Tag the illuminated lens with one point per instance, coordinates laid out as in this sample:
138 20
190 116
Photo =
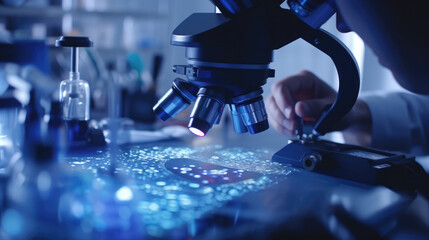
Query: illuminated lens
197 132
205 112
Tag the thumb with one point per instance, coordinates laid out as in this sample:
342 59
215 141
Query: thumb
311 109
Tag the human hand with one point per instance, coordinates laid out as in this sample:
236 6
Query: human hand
302 95
305 95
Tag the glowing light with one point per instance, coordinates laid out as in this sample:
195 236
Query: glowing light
12 222
161 183
124 194
197 132
234 192
77 209
194 185
44 181
154 207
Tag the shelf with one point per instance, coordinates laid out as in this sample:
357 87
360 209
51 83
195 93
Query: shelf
57 12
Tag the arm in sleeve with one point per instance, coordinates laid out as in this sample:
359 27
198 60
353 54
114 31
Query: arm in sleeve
400 122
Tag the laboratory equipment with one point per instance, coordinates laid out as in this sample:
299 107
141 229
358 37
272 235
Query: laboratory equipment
74 94
229 56
350 162
228 61
177 99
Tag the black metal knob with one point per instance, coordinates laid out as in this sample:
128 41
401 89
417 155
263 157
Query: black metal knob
72 41
311 161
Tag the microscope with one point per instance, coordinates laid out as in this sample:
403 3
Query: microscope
228 57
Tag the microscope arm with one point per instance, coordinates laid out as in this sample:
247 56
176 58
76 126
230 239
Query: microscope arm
345 64
348 75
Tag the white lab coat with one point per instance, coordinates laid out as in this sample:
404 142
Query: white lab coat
400 122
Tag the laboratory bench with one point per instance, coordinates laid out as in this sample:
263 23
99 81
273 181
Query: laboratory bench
222 186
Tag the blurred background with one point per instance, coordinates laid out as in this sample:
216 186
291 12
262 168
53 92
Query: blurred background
131 48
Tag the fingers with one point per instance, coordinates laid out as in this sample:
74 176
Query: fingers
283 99
301 86
311 109
302 95
278 120
306 85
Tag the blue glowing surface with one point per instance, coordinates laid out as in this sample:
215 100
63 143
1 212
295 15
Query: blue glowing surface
138 196
208 174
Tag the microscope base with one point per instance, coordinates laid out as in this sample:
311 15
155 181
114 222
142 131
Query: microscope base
364 165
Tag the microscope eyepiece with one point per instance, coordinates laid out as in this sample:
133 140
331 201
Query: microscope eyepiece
207 109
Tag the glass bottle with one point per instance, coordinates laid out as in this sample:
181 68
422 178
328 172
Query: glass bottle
75 101
75 94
